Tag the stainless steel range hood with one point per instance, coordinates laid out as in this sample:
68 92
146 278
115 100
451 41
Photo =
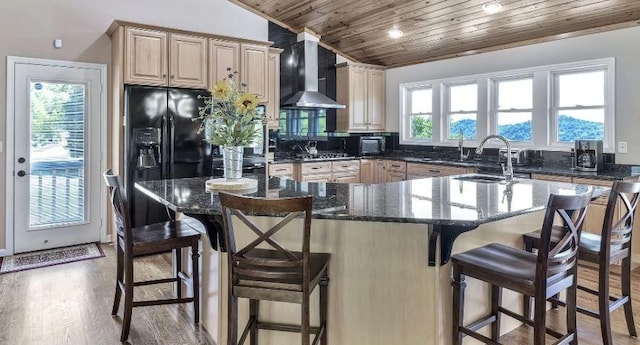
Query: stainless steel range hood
307 75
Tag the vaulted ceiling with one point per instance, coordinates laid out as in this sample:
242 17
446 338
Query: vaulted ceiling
438 29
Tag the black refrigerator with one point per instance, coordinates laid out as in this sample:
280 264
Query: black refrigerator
161 142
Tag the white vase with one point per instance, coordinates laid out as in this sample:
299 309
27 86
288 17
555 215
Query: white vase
232 162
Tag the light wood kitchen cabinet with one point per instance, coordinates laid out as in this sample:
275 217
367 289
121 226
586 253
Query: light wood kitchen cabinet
396 171
282 170
254 69
337 171
362 89
146 57
188 61
223 55
379 171
421 170
366 171
273 89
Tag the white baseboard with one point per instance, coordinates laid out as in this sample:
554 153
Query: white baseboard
4 252
107 239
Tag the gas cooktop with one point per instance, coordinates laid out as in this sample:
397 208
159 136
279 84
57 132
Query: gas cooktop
323 156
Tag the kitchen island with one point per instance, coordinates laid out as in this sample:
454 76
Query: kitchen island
390 244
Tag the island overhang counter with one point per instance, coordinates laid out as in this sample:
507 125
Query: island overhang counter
390 245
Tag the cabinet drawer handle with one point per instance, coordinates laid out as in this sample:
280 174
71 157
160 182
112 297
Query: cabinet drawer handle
395 166
281 169
434 171
315 168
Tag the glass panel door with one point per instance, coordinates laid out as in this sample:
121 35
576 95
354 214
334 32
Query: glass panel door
57 136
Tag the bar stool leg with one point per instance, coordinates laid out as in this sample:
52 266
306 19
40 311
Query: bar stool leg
539 318
119 277
305 326
571 308
496 301
603 304
254 308
195 281
128 298
324 306
626 291
459 286
177 253
232 319
528 246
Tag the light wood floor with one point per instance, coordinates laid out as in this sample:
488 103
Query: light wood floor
71 304
588 327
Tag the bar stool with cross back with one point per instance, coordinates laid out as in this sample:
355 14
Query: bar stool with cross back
612 246
276 274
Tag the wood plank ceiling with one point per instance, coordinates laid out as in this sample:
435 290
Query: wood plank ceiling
438 29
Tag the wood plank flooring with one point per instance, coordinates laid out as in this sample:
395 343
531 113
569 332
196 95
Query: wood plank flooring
71 304
588 327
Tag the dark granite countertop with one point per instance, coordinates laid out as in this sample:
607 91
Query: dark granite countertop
440 201
611 172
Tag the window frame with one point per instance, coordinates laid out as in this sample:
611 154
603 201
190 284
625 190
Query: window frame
542 115
608 141
406 94
447 112
494 104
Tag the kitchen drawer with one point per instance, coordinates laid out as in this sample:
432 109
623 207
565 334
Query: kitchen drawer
315 168
353 165
431 170
396 166
316 178
347 177
281 169
553 178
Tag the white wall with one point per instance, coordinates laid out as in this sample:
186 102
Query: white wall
621 44
28 28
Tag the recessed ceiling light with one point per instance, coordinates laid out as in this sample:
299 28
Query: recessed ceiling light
492 7
395 33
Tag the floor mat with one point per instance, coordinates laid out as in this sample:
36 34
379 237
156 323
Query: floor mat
50 257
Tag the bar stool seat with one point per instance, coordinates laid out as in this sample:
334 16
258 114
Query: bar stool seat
503 264
247 286
147 239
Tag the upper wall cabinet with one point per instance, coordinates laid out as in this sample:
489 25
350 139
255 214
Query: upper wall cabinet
223 54
145 57
362 89
273 89
160 58
254 71
188 61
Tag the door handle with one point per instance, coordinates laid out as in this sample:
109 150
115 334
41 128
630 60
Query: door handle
22 173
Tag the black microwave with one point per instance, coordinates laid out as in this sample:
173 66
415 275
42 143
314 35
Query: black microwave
371 146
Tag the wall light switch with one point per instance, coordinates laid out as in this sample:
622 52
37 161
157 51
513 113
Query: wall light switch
622 147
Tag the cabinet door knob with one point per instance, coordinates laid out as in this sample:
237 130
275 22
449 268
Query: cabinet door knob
164 76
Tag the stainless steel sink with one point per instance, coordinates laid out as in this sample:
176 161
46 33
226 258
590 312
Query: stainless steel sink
481 178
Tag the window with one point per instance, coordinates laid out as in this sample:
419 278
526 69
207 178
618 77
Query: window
546 107
462 111
579 109
420 114
513 108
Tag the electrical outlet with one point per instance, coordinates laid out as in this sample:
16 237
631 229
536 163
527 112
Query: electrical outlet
622 147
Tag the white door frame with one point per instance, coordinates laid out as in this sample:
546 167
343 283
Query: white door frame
12 61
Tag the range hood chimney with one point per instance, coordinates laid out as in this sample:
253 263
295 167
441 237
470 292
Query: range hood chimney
307 77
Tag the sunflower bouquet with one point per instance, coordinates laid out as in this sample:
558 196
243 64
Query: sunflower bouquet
229 116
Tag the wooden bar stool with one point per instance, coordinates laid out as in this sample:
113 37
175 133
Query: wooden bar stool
613 245
276 274
543 275
150 239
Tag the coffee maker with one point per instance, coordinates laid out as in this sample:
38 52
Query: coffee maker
588 155
147 145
